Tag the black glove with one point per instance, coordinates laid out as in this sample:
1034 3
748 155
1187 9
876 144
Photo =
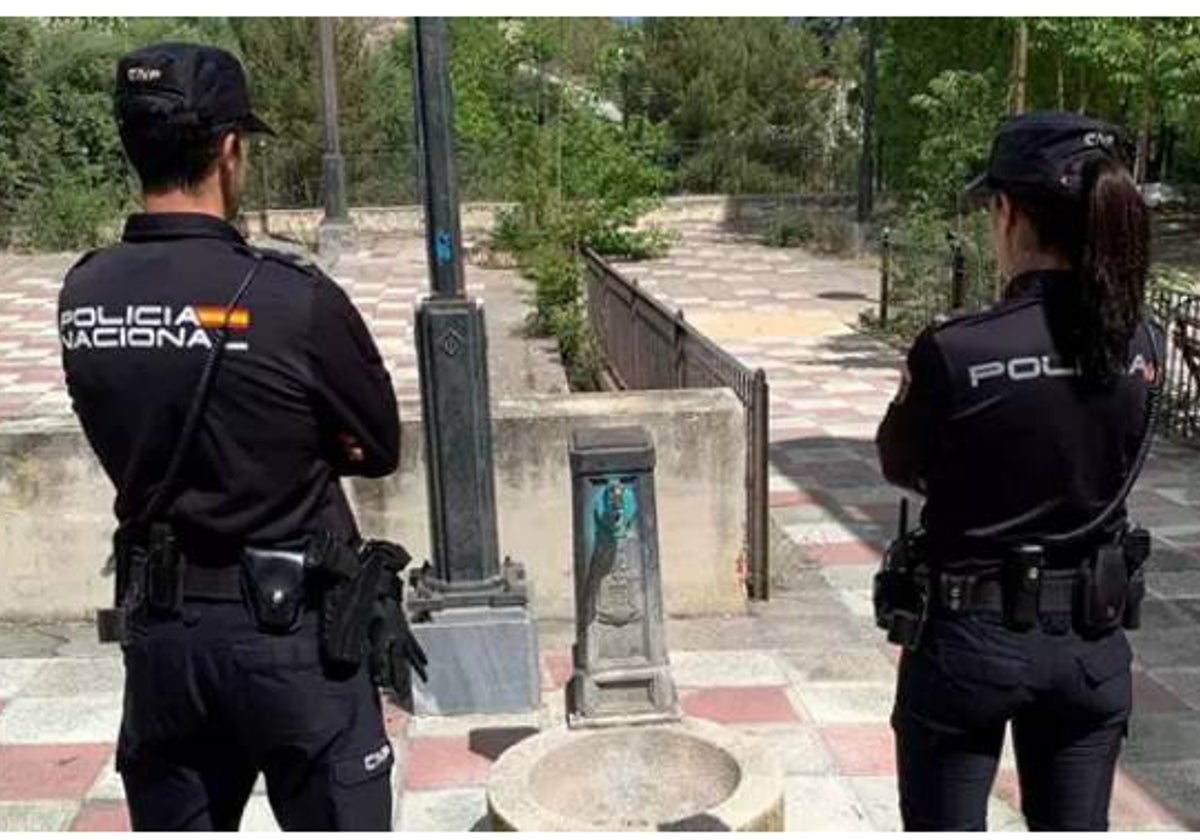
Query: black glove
394 652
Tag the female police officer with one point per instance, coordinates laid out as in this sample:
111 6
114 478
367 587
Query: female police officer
1021 425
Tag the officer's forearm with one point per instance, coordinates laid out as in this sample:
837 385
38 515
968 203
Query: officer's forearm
899 455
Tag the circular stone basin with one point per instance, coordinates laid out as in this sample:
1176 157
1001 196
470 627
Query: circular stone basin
689 775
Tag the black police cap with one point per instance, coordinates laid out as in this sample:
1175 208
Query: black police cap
184 84
1048 150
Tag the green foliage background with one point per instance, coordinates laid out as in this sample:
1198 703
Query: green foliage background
710 105
586 123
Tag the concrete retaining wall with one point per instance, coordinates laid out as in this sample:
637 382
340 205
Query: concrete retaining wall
56 502
480 217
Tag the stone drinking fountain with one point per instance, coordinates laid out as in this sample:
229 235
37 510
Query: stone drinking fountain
627 759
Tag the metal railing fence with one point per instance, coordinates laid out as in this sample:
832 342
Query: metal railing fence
646 347
942 280
1179 314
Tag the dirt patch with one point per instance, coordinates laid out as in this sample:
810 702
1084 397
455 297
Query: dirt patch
741 326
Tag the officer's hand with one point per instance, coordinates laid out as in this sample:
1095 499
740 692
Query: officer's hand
351 448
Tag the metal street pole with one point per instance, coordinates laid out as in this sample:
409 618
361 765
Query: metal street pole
435 130
335 225
475 608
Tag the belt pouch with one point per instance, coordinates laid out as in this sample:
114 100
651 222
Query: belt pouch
275 580
164 573
1102 587
1021 578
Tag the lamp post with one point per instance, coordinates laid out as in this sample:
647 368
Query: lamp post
335 229
477 621
865 164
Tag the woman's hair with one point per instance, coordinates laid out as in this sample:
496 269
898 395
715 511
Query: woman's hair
1107 240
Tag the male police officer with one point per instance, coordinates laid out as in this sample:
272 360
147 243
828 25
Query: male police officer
301 397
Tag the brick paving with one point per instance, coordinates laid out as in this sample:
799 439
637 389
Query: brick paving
806 674
385 281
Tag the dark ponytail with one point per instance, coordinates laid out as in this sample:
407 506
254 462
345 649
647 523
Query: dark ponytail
1107 240
1113 266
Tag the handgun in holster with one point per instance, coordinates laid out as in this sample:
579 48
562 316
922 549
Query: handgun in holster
1135 547
1112 584
901 592
349 591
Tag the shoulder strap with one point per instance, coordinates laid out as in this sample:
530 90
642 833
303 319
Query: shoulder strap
169 488
1153 395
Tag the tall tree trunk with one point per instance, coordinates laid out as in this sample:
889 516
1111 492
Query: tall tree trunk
1083 90
1143 152
1167 144
865 197
1020 64
1062 99
879 185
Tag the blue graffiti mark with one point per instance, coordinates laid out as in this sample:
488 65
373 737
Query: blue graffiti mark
443 248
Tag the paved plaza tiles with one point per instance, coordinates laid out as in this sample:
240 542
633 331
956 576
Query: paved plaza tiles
805 674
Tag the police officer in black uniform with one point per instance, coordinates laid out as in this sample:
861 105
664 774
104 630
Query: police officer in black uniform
225 673
1021 426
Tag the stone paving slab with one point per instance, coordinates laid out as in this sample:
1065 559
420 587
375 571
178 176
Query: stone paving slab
807 673
385 281
726 668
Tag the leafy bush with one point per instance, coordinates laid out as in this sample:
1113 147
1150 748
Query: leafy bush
822 231
1168 278
629 244
68 216
569 325
920 262
833 234
790 230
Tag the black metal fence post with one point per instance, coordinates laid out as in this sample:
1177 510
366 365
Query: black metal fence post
885 266
757 501
958 273
679 356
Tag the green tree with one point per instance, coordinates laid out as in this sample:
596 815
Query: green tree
750 103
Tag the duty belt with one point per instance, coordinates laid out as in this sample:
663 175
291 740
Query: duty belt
984 592
212 583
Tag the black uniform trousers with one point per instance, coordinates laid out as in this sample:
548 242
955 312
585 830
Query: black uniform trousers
211 701
1068 700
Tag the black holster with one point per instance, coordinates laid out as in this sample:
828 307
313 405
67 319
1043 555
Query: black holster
1112 584
1101 591
347 604
1136 546
901 591
148 572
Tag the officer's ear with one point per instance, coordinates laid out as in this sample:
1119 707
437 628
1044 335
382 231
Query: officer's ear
1006 212
232 148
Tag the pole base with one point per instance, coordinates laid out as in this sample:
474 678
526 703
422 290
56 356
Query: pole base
334 238
430 594
481 661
